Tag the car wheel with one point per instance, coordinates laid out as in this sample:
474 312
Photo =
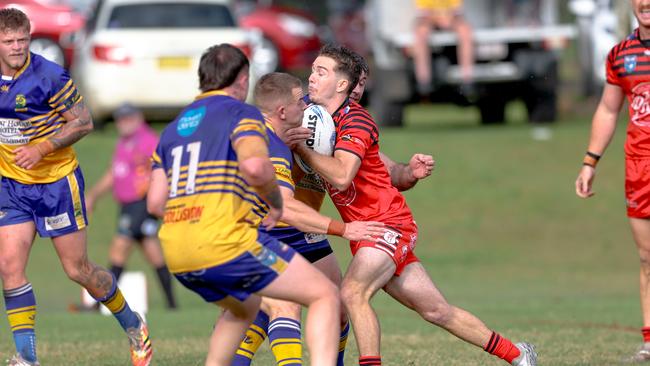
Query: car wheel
48 49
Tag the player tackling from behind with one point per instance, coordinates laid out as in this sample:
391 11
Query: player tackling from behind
42 115
628 77
359 185
213 182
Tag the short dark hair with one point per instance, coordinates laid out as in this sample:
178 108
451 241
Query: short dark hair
220 65
12 19
345 62
363 64
273 88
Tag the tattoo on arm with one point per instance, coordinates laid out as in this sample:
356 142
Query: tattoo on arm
274 198
74 129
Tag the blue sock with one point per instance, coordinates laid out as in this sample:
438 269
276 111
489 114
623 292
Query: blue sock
343 340
286 343
21 313
116 303
255 336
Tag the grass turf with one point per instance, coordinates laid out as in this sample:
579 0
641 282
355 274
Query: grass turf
501 232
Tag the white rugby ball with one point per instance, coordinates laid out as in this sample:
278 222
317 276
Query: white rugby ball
323 135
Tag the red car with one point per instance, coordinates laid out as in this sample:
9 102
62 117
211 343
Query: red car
54 27
289 36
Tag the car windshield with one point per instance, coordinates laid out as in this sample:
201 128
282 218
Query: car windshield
170 15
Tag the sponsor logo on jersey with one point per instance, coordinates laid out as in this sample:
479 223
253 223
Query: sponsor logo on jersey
11 131
4 89
190 121
640 105
57 222
630 63
21 103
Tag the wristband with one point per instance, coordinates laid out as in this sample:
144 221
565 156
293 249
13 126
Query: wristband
591 159
336 228
45 147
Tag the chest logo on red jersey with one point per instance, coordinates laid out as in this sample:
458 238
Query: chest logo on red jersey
630 63
640 106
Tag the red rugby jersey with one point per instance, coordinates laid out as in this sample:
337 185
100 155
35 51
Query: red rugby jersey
628 66
371 196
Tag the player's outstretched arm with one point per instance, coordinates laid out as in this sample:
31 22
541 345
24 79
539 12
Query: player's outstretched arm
338 170
78 124
406 176
603 126
308 220
157 194
259 173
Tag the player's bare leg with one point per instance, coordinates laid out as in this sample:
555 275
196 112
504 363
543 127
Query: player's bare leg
330 267
101 284
73 255
414 289
368 272
641 233
20 303
304 284
230 329
15 244
120 250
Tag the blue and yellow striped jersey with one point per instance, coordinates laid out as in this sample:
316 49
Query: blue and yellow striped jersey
31 104
208 212
282 160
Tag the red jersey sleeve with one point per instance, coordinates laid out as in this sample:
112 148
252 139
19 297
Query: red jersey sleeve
357 133
612 75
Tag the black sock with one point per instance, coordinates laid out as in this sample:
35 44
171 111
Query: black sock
117 271
166 283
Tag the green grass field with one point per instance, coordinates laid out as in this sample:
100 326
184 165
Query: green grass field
502 234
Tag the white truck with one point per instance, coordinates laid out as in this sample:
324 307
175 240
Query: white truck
517 47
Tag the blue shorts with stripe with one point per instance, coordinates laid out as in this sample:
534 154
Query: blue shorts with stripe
242 276
313 247
56 208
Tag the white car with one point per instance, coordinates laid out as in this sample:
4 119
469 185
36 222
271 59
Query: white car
147 53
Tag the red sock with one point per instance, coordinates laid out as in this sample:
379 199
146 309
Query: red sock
370 361
502 348
646 334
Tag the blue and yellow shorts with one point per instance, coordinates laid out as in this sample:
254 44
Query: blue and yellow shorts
56 208
313 247
242 276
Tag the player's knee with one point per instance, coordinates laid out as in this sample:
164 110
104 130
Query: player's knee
352 295
644 257
10 269
438 314
78 271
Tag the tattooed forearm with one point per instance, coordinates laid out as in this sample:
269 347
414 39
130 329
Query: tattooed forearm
80 123
274 198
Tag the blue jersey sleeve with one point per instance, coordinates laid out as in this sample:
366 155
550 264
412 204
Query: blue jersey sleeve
248 121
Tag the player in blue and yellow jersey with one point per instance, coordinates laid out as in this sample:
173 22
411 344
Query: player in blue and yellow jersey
280 98
41 116
212 174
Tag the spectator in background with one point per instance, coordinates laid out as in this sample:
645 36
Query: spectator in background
128 178
441 14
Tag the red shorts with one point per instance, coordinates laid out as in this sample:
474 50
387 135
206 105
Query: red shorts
398 242
637 187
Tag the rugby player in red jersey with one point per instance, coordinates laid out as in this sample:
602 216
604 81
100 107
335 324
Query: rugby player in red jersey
359 185
628 75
